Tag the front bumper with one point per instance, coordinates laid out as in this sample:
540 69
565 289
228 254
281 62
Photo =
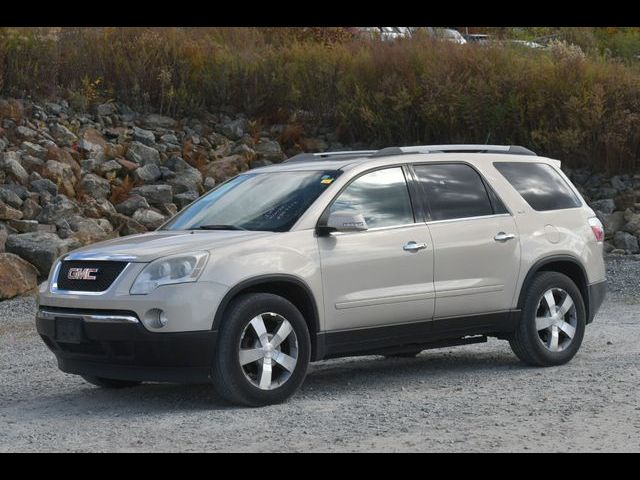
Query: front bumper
115 345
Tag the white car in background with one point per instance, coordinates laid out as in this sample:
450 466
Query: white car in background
450 35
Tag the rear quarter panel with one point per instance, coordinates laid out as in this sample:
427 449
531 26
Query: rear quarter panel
545 234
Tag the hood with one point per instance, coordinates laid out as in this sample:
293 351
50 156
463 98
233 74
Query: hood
149 246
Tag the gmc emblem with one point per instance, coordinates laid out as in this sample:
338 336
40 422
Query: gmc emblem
82 273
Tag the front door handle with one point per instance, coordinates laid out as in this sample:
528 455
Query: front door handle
503 237
413 246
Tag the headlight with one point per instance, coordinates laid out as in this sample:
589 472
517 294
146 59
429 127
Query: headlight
168 270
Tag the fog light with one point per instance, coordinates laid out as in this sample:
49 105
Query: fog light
155 318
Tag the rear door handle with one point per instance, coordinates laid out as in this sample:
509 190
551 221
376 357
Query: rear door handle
413 246
503 237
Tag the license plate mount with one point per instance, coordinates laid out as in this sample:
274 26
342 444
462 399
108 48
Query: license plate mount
69 330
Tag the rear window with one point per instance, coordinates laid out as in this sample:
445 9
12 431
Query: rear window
539 184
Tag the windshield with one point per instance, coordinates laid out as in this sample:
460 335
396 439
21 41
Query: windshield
255 201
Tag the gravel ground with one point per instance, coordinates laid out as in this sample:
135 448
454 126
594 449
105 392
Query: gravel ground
471 398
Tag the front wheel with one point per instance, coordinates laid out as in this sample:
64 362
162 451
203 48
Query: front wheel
263 350
553 321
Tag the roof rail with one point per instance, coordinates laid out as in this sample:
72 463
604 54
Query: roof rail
303 157
461 148
479 148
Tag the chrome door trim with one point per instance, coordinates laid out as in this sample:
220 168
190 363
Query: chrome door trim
379 229
465 219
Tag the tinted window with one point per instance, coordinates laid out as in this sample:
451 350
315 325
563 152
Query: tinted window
539 184
381 196
255 201
453 191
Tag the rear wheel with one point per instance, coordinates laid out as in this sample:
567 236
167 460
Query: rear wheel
110 382
553 321
263 350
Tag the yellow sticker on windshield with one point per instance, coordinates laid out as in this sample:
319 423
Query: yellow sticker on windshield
326 179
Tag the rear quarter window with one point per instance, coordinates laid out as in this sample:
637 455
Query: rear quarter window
539 184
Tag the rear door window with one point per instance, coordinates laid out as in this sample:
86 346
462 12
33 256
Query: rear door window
539 184
454 191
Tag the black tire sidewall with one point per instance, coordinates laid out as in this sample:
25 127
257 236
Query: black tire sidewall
237 387
543 282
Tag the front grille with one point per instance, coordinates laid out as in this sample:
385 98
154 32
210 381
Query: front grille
107 272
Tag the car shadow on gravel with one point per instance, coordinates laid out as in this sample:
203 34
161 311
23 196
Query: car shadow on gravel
335 377
380 372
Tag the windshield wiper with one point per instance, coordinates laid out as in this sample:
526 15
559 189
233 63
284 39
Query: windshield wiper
220 227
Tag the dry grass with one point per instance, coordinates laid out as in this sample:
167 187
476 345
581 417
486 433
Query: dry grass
585 110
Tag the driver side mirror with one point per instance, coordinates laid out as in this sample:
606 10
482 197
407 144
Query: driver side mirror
345 221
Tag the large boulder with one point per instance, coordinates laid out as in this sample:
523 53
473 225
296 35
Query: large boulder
149 218
269 150
227 167
13 168
62 175
156 195
131 204
613 222
33 149
142 154
44 185
62 134
97 208
626 241
60 207
127 226
184 199
105 109
17 276
40 248
8 196
87 230
91 142
143 136
95 186
147 173
188 180
30 209
632 224
234 129
606 205
627 199
154 121
9 213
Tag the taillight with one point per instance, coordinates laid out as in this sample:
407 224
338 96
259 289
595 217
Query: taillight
597 228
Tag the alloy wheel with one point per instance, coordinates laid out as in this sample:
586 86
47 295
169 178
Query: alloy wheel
268 350
556 319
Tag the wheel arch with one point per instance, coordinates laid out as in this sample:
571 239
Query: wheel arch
565 264
290 287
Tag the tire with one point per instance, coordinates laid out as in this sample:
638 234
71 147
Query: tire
249 326
110 382
548 336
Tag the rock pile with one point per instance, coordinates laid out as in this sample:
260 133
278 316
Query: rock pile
68 179
616 201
